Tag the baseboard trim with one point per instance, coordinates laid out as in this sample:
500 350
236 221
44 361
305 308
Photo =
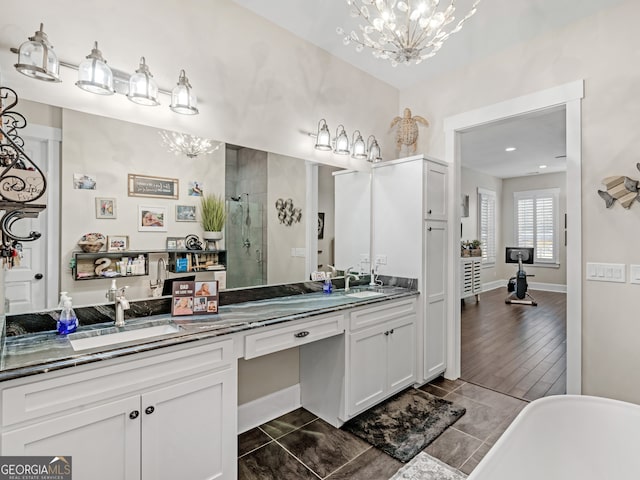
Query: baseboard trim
545 287
263 409
486 287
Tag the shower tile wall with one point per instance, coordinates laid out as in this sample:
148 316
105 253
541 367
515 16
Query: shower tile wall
246 172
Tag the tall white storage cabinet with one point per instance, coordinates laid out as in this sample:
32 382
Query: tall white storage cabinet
352 219
410 240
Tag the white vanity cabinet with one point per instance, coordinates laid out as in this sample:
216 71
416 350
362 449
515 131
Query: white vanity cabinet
344 375
381 357
410 239
166 414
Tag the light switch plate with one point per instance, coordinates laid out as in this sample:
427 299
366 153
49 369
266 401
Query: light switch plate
607 272
634 274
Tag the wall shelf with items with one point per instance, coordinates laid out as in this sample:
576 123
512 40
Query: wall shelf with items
101 265
182 261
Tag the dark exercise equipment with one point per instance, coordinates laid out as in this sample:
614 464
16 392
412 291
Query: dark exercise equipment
517 285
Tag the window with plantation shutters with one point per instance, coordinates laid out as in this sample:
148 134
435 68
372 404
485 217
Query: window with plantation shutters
537 223
487 225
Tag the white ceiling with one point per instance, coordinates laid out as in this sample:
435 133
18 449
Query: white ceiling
539 139
497 25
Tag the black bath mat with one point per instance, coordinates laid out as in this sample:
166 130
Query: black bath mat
406 423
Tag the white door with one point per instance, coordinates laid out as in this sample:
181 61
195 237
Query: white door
103 442
25 284
401 343
367 369
187 431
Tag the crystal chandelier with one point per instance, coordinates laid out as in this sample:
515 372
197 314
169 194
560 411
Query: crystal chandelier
408 31
189 145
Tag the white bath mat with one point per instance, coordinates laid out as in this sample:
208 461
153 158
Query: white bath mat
426 467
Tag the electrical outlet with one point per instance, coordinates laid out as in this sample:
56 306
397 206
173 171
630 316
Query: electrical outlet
381 259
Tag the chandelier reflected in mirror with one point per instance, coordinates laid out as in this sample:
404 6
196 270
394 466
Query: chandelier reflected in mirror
406 32
189 145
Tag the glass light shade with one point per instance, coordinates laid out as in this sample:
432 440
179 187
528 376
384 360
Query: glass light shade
374 154
36 58
342 142
358 147
323 138
94 75
143 89
182 98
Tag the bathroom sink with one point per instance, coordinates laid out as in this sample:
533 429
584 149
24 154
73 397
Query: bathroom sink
363 294
114 335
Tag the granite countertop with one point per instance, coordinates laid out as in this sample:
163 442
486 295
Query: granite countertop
40 352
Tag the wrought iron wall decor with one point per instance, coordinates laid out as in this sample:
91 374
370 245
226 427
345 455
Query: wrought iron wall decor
287 214
21 181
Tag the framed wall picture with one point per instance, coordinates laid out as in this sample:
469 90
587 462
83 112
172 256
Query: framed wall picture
106 207
157 187
185 213
176 243
152 219
117 243
84 181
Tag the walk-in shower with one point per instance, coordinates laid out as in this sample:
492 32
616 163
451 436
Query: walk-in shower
245 238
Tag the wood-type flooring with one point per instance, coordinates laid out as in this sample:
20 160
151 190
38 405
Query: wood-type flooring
518 350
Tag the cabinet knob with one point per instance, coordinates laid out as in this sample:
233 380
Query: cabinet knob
149 410
38 276
301 334
387 333
429 229
391 332
133 415
429 211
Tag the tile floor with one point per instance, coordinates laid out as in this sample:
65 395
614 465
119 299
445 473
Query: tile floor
299 445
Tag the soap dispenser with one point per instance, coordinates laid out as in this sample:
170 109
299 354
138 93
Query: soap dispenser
327 287
68 322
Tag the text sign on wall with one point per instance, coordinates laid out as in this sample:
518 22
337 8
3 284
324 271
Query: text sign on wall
146 186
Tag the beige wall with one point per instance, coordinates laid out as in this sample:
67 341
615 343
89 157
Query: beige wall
286 178
602 50
471 180
550 275
40 114
109 150
262 376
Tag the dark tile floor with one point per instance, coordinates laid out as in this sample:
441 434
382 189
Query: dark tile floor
299 445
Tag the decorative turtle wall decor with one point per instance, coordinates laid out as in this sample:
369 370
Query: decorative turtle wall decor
621 188
407 131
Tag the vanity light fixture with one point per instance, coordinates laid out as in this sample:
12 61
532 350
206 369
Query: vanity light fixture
374 154
94 75
143 89
361 150
342 142
182 98
36 58
358 147
323 138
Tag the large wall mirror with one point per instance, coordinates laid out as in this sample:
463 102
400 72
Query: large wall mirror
262 248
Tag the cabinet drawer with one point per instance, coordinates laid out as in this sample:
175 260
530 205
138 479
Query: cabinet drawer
382 312
46 395
293 335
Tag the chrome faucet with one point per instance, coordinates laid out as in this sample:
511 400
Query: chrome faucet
348 276
161 276
122 304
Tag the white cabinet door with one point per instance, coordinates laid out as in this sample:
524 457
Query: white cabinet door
104 442
436 191
401 357
367 369
188 429
436 287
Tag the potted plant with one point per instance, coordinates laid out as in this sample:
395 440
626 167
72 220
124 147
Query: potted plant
213 214
474 246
